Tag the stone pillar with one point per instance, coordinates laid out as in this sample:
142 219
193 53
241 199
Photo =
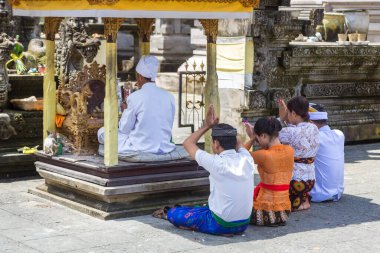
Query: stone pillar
111 27
145 30
211 89
51 28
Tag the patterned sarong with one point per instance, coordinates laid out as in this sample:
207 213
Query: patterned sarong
308 160
299 192
201 219
269 218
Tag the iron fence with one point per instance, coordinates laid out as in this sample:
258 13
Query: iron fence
191 97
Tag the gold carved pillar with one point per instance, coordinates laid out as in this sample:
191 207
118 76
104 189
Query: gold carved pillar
111 110
145 26
211 89
51 28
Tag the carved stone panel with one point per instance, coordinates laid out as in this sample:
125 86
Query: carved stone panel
83 101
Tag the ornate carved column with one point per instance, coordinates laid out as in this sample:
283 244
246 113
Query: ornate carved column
6 45
111 110
51 28
145 30
211 89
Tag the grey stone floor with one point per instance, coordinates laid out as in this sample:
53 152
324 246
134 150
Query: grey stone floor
31 224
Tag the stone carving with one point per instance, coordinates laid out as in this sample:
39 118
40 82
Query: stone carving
257 100
342 89
279 93
83 101
75 47
6 129
37 48
6 45
272 30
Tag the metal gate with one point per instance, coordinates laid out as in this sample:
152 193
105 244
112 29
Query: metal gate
191 97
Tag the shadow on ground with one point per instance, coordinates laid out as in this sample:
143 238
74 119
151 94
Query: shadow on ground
354 154
350 210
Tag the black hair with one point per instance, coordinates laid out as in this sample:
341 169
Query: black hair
267 125
300 106
226 142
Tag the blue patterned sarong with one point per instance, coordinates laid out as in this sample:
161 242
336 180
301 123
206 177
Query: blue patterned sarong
201 219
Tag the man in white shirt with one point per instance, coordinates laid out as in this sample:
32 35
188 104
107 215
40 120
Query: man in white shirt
329 161
146 123
231 183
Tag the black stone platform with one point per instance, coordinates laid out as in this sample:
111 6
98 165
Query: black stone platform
14 165
128 189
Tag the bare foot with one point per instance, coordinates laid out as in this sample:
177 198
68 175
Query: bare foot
160 214
304 206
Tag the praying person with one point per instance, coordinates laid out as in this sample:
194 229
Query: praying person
231 183
146 123
329 161
275 163
303 137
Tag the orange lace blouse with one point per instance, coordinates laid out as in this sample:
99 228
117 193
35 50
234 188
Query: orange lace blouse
275 166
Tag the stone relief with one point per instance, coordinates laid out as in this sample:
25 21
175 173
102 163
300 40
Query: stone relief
6 129
342 89
82 102
6 45
75 47
257 100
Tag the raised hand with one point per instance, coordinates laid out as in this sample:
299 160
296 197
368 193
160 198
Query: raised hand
249 130
282 109
211 119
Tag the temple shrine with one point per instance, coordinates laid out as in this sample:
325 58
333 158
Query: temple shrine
253 55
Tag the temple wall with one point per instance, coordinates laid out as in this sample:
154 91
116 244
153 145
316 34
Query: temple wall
343 78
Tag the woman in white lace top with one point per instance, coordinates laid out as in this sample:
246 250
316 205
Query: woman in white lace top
303 137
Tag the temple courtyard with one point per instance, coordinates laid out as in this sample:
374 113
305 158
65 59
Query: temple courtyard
31 224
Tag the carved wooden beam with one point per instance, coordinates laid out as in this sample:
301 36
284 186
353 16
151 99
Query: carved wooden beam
102 2
211 29
245 3
145 26
51 27
111 27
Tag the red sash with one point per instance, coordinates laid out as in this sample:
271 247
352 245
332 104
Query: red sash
271 187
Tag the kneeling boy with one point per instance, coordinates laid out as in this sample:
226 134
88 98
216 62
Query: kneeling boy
231 183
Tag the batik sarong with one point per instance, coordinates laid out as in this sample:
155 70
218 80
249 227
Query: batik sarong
202 219
269 218
299 192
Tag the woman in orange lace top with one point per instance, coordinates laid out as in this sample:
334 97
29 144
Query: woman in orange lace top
275 163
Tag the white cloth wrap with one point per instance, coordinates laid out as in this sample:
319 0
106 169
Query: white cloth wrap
318 115
148 67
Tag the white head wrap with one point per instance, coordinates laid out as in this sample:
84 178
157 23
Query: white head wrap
318 115
148 67
315 114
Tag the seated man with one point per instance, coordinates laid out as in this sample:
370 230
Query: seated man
146 124
231 184
329 161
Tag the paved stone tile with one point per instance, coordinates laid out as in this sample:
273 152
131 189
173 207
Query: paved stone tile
9 221
29 223
8 245
57 244
29 232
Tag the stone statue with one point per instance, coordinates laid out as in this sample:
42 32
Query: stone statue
6 129
75 47
6 45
